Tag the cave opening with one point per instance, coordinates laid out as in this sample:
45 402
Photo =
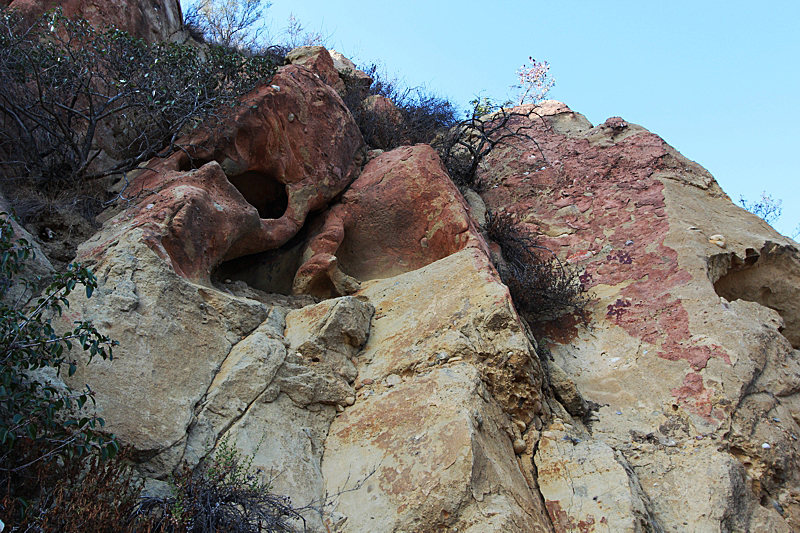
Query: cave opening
770 277
262 191
272 271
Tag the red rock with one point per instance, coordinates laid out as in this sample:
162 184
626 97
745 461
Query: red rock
318 60
152 21
289 150
685 336
192 220
401 214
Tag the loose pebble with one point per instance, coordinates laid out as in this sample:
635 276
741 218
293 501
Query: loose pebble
519 446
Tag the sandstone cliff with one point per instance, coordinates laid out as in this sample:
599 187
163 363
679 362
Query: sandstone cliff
341 319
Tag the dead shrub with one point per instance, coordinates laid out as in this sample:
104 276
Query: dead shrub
225 494
416 115
71 494
464 146
542 287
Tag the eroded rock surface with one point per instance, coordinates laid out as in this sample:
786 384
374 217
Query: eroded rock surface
154 259
412 398
290 150
278 392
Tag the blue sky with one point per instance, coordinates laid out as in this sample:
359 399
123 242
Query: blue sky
717 80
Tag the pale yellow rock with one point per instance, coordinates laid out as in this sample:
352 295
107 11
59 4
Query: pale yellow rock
468 314
284 429
717 239
436 448
173 336
428 453
586 482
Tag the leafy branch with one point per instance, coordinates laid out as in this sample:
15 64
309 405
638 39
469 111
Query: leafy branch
31 406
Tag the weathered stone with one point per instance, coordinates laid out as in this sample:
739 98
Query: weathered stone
449 459
191 220
319 60
586 485
17 294
173 336
360 81
323 338
566 391
285 169
769 276
284 429
469 315
245 374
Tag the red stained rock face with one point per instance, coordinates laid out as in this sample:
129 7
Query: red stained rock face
401 214
599 204
191 220
318 60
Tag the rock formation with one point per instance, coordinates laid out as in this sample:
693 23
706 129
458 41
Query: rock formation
346 327
689 362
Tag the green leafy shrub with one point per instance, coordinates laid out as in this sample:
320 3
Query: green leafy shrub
81 104
483 105
542 287
39 420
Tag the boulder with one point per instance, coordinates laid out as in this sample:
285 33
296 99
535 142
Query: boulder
402 213
277 393
318 60
347 69
446 380
290 149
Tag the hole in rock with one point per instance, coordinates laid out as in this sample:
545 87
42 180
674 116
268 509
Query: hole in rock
770 277
191 163
272 271
264 192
